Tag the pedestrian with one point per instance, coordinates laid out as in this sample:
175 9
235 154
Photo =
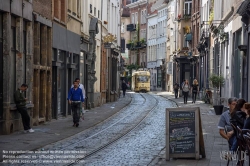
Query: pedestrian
238 115
75 98
176 89
83 93
20 102
194 90
224 125
185 90
182 86
247 121
80 86
124 87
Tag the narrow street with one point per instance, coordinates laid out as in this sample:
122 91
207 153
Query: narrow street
134 136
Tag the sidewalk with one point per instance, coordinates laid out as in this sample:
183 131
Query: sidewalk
60 129
214 143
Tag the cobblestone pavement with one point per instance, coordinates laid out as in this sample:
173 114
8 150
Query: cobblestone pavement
214 143
141 145
138 147
60 129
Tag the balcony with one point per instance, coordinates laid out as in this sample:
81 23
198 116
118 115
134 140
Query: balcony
135 45
131 27
130 46
185 17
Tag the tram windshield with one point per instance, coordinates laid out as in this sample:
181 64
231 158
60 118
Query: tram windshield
142 78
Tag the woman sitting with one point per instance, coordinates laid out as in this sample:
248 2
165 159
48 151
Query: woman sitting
247 121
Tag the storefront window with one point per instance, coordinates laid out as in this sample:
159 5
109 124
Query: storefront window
159 78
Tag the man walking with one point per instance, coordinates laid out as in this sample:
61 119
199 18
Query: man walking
224 125
80 86
20 102
176 89
75 98
124 87
83 93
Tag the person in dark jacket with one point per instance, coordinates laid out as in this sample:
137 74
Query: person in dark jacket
238 115
194 90
20 102
75 98
124 87
247 121
176 89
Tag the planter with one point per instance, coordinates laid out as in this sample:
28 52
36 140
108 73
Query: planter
129 46
218 109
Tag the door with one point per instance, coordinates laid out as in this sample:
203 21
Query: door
54 92
1 66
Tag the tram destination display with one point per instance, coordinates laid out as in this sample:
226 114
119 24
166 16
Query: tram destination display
184 137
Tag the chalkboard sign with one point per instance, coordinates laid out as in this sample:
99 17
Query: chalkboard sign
183 133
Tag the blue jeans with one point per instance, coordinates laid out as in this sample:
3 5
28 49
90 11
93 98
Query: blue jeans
233 143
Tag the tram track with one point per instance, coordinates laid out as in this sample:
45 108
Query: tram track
120 136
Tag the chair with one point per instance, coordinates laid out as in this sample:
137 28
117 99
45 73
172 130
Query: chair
247 139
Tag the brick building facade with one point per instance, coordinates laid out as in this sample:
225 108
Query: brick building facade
42 64
16 59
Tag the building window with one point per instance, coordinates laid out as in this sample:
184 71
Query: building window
123 27
133 18
78 8
136 18
142 20
187 7
98 13
94 11
12 71
90 8
145 16
63 11
159 78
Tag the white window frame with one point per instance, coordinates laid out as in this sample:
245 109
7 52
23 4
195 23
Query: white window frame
145 16
142 14
189 4
123 27
132 18
136 18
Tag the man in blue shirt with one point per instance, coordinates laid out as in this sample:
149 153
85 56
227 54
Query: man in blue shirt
75 98
224 125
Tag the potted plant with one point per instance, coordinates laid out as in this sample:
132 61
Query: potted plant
216 82
129 45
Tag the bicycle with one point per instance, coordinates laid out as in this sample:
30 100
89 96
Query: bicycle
206 97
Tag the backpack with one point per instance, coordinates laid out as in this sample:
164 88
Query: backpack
175 86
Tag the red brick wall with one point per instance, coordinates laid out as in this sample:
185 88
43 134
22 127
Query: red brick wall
43 7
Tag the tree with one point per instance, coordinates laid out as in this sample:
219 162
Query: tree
216 82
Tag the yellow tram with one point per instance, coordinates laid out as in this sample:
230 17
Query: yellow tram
140 81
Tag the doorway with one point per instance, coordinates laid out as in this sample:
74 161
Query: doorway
1 66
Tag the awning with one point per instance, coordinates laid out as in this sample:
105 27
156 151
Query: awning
188 37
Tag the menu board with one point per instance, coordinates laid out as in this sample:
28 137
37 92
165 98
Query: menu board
184 137
182 131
